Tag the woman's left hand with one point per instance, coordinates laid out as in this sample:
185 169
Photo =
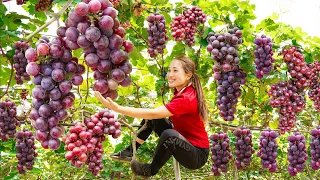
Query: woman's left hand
107 102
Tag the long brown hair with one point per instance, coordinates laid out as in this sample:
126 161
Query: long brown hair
189 67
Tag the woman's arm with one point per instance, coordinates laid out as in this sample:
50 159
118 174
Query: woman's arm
157 113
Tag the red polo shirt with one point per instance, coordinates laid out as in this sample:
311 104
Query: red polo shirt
186 118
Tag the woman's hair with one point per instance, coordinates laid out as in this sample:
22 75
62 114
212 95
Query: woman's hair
190 68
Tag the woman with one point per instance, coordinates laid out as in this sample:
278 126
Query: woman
186 139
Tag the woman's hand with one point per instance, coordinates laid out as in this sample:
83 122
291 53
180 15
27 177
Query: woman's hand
107 102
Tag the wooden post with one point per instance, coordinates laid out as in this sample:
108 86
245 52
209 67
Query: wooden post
176 169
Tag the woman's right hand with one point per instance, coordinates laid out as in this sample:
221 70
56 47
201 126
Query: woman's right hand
107 102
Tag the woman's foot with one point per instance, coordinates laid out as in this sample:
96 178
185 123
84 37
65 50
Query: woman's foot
122 156
141 169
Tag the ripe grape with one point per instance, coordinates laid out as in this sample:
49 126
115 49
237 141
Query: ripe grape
224 48
315 148
297 153
8 120
263 56
221 153
243 147
184 25
157 34
268 150
26 150
229 90
20 61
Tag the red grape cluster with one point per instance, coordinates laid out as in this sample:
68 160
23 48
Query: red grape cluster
26 150
20 62
290 100
228 90
79 142
8 120
55 72
297 67
297 153
21 2
43 5
315 149
157 34
314 89
100 124
263 54
184 25
243 147
224 48
221 153
94 26
268 150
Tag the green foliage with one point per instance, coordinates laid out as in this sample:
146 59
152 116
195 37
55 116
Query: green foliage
150 86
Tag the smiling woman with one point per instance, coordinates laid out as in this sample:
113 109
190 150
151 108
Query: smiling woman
184 135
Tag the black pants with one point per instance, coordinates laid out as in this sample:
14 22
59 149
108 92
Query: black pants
173 143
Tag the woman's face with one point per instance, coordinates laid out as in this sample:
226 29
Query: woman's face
176 75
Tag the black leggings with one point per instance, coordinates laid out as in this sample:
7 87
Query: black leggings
173 143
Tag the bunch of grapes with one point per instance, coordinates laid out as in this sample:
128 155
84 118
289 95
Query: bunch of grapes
20 2
290 100
268 150
103 122
8 120
184 25
54 72
297 67
79 142
314 89
297 153
26 150
243 147
221 153
99 125
228 90
94 26
20 62
43 5
315 149
157 34
224 48
263 54
115 3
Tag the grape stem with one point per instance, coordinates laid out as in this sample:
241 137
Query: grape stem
137 87
56 16
138 34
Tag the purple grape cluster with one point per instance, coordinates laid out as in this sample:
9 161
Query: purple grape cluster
228 90
94 27
297 153
263 54
268 150
54 72
224 48
157 34
20 62
221 153
8 120
243 147
315 149
26 150
290 100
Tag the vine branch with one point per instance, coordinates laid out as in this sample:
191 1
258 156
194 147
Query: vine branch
11 74
56 16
